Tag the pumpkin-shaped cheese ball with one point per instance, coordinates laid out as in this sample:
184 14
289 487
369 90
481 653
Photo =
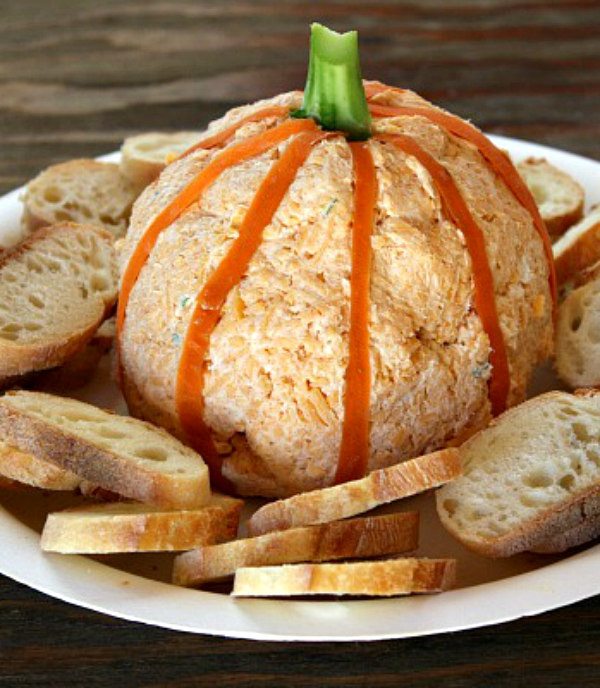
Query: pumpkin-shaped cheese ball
303 308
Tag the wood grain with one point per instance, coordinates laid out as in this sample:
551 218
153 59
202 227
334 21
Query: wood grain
78 76
47 643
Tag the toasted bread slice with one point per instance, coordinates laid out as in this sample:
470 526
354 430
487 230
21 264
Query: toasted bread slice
586 531
75 372
583 277
351 539
26 468
527 477
55 290
577 338
85 191
373 578
78 370
132 527
348 499
579 279
120 454
143 157
558 196
578 249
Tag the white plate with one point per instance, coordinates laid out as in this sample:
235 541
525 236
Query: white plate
489 591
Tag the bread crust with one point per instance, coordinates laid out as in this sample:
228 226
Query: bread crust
108 194
97 465
373 578
577 354
348 539
140 161
585 531
559 225
29 470
566 207
18 360
116 528
355 497
544 526
74 373
53 349
548 523
579 249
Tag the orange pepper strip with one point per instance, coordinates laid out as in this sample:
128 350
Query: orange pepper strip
354 448
458 212
497 159
209 302
232 155
222 136
375 87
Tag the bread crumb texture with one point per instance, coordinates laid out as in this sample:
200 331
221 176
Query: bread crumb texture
56 288
578 337
86 191
515 476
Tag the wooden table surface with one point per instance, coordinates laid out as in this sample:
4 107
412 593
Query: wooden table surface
78 76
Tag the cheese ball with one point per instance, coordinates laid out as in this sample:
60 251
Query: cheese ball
275 370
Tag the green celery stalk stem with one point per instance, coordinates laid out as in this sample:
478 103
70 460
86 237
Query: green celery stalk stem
334 95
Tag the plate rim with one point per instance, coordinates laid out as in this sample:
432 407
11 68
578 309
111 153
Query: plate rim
96 586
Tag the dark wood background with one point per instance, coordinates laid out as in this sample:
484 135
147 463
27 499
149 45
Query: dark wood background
78 76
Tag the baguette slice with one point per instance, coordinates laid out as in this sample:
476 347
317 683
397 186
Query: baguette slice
85 191
578 249
78 370
586 531
120 454
29 470
577 339
129 527
340 501
75 372
55 290
353 538
558 196
582 278
143 157
528 477
372 578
